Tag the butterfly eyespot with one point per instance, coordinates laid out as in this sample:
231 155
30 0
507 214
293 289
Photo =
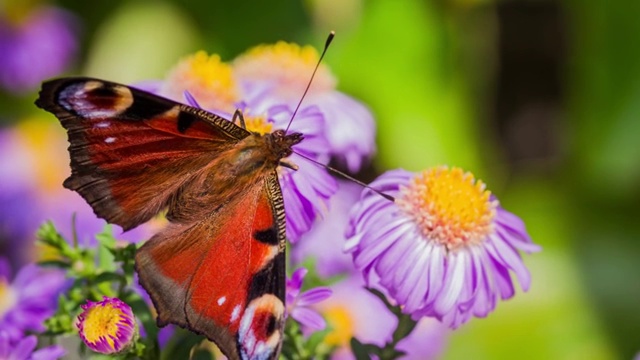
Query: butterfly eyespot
110 140
95 99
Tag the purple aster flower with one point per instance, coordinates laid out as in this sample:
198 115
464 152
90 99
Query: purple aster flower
25 349
107 326
325 240
352 311
444 248
350 126
35 46
29 299
298 303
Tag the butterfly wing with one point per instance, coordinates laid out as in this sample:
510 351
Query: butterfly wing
133 152
225 273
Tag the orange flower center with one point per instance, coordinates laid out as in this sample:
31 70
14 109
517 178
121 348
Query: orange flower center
103 321
450 206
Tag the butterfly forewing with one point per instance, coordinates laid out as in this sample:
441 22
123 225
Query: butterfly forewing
131 151
218 267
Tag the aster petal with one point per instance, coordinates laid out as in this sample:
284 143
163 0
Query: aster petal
24 348
406 275
396 252
49 353
502 278
420 272
313 296
437 272
309 318
453 283
517 240
375 248
512 259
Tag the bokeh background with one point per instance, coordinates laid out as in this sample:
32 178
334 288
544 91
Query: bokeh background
540 99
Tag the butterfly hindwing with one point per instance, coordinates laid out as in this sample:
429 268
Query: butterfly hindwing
226 273
132 151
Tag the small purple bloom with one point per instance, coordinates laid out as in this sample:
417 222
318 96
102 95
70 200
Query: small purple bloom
298 303
107 326
35 47
444 248
29 299
25 349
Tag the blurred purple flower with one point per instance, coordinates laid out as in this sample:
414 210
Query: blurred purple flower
35 46
25 349
29 299
298 303
107 326
325 241
33 164
352 311
350 126
443 249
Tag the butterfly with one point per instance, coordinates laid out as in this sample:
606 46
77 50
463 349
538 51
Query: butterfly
218 268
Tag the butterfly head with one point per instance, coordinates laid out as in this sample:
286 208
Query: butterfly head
281 143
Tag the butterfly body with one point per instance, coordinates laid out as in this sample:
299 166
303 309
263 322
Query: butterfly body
218 267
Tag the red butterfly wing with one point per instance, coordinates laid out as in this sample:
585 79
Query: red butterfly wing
131 151
218 268
225 273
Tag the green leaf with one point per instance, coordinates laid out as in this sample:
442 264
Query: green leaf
58 264
180 345
359 350
108 242
405 326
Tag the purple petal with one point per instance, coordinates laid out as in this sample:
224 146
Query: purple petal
314 296
309 318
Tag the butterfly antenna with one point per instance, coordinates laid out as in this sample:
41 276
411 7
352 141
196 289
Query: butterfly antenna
324 51
348 177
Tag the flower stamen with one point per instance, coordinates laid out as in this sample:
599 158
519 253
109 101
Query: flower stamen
450 206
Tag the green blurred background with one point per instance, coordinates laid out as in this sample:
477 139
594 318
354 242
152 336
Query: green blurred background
540 99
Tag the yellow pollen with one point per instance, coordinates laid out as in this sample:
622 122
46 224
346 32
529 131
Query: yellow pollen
102 321
209 80
341 324
450 206
258 124
289 66
7 297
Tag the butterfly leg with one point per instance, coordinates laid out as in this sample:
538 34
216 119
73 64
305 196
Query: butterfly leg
238 115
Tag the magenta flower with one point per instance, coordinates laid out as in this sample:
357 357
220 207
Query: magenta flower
25 349
29 299
35 46
443 249
298 303
107 326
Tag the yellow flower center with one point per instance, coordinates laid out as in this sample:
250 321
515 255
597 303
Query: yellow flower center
8 297
103 321
209 80
450 206
289 66
341 324
258 124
